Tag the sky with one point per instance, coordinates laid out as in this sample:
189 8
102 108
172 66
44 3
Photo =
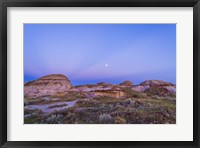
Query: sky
92 53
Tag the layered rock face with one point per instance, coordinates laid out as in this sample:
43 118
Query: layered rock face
156 87
156 83
55 84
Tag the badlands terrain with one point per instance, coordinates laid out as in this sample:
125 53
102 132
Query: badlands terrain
52 99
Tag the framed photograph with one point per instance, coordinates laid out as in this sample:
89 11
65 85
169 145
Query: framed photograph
99 73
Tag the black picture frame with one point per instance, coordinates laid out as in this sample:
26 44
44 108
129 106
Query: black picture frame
4 4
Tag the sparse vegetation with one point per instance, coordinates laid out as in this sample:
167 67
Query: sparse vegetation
109 110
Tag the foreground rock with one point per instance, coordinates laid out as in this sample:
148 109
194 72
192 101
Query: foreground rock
55 84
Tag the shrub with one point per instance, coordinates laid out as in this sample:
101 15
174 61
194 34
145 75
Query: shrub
119 120
129 102
106 118
54 119
72 118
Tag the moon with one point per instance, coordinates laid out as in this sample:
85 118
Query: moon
106 65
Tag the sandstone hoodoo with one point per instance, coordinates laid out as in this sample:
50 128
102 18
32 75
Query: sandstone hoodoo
54 84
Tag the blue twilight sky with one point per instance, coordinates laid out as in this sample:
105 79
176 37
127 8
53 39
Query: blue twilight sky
91 53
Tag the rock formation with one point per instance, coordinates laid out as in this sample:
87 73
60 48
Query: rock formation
156 87
59 85
54 84
156 83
